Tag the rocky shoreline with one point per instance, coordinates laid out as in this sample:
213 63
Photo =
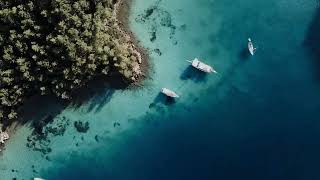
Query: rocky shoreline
121 13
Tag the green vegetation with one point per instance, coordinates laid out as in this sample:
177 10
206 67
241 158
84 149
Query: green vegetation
56 46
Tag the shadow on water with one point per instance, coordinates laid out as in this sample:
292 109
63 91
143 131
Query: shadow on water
244 54
38 111
95 94
193 74
159 103
312 40
162 99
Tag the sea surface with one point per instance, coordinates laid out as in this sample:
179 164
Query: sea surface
257 119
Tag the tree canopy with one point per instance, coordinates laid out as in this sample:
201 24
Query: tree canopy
56 46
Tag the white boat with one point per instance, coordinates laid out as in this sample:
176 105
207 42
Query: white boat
36 178
169 93
252 49
196 63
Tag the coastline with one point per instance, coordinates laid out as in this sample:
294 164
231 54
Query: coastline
122 10
10 130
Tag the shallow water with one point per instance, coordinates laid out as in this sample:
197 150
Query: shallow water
258 118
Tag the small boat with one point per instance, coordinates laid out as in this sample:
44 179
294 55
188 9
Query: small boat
202 66
169 93
252 49
36 178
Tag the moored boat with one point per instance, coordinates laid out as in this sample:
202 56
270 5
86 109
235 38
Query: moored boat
169 93
36 178
251 49
196 63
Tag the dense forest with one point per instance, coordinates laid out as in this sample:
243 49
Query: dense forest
56 46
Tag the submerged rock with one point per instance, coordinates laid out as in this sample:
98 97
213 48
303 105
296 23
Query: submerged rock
116 124
96 138
149 11
172 31
158 51
153 36
157 17
166 19
81 127
44 129
47 158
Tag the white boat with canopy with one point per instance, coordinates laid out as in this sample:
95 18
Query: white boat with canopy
169 93
252 49
196 63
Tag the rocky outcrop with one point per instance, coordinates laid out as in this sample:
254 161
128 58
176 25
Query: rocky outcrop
81 127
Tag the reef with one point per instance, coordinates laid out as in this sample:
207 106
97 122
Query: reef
156 16
39 140
81 127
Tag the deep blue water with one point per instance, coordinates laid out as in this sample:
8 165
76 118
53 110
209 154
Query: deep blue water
259 118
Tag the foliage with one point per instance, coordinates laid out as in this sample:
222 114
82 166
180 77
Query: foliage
56 46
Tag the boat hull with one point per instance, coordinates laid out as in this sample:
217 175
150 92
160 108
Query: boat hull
169 93
202 66
250 47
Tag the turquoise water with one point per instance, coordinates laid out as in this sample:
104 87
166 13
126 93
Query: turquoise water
258 118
